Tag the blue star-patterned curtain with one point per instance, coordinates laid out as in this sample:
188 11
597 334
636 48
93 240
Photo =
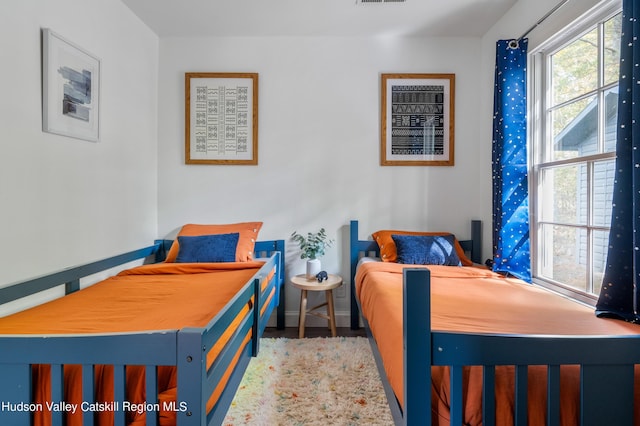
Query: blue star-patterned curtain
620 294
510 190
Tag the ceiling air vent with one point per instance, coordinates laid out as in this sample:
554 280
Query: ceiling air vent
382 1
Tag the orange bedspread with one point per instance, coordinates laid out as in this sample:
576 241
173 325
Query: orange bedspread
165 296
474 300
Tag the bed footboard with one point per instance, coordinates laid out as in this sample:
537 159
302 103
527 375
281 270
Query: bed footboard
606 366
150 350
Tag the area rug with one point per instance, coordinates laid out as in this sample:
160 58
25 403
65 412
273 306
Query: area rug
318 381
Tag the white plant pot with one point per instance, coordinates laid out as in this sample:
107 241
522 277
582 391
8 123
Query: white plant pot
313 267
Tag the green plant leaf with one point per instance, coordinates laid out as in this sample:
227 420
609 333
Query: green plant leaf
313 245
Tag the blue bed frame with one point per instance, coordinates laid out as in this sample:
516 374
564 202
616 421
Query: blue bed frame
359 248
607 362
186 348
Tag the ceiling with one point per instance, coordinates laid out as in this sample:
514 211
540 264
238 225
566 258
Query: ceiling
341 18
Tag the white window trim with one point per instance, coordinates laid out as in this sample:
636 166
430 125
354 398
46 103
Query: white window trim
537 86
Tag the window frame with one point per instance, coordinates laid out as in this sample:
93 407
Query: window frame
540 131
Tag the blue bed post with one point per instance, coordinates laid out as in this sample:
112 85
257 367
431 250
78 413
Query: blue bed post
257 306
280 285
14 394
270 248
191 369
476 241
354 254
417 346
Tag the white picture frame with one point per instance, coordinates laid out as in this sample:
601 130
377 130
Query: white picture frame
70 89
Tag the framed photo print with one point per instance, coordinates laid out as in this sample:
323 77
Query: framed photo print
417 120
70 89
221 118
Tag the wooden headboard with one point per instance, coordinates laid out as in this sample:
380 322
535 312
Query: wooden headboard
359 248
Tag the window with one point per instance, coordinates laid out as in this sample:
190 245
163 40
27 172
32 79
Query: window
574 97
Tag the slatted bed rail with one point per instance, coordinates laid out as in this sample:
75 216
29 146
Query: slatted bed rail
262 250
70 277
192 364
186 349
606 366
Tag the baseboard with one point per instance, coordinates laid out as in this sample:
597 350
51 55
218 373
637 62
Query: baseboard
343 319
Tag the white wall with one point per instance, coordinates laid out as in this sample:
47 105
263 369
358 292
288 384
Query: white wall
66 201
319 120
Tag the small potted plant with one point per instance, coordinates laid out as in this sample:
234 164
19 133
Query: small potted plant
312 247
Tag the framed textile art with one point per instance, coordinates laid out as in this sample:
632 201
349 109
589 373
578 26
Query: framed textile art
221 118
417 120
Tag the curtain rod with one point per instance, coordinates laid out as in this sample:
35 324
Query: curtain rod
513 44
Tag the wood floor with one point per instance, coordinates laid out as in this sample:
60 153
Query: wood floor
292 332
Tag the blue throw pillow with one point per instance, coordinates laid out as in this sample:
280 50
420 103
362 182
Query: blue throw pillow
426 250
208 248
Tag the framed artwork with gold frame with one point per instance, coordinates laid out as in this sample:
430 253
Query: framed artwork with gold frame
221 118
417 120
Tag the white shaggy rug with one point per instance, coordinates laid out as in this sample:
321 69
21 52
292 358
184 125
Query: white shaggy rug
319 381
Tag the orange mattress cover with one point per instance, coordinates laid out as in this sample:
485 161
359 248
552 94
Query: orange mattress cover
471 299
164 296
